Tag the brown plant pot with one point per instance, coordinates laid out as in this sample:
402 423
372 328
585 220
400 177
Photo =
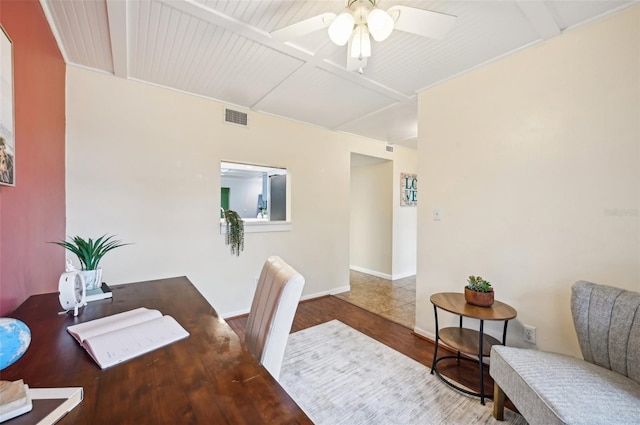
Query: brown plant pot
481 299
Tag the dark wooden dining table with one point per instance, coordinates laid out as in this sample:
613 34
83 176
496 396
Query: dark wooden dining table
207 378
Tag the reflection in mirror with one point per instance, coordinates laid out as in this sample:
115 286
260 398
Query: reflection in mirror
255 192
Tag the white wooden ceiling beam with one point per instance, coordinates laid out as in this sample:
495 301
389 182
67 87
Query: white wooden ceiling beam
540 17
117 14
214 17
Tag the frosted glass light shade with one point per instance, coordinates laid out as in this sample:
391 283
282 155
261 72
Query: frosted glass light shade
341 28
380 24
361 44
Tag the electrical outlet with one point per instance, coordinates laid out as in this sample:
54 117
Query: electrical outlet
529 334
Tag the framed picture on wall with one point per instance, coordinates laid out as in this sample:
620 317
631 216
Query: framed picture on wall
408 190
7 135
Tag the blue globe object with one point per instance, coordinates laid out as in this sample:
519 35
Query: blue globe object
15 338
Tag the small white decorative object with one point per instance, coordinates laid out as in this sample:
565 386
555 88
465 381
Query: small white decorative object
69 267
72 291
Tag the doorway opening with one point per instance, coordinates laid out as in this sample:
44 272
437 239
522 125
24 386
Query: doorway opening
371 243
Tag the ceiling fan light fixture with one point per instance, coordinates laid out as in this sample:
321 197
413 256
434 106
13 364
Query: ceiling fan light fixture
361 43
380 24
341 28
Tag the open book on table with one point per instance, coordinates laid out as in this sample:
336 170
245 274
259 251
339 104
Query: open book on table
123 336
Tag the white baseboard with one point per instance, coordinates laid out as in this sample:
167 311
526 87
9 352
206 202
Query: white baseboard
324 293
424 333
403 275
333 291
235 313
382 275
371 272
339 290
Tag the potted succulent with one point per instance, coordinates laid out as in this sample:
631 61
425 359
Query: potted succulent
90 252
235 231
478 292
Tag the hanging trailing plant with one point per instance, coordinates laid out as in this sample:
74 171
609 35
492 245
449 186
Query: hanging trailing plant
235 231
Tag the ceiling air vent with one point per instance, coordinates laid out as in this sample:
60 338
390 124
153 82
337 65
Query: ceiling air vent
389 148
235 117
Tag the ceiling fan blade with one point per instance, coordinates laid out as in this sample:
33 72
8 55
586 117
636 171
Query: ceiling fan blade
422 22
293 31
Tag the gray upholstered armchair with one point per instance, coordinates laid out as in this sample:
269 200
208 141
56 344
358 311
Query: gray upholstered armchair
604 388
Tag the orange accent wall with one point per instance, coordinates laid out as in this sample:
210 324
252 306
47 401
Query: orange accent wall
33 212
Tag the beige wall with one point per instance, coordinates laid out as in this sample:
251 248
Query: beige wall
371 217
143 162
534 161
405 221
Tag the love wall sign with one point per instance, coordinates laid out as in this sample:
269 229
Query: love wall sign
408 190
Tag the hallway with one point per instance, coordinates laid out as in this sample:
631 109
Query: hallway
393 300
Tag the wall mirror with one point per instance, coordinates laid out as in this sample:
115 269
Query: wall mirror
256 193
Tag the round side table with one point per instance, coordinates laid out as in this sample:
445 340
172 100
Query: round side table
464 340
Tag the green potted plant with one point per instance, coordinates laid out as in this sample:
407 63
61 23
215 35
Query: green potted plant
235 231
90 252
478 292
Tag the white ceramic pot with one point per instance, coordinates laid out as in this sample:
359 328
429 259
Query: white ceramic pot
92 279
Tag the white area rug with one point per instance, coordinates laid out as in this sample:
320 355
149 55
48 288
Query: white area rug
338 375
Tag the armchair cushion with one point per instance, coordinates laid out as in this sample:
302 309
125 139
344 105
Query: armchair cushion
550 388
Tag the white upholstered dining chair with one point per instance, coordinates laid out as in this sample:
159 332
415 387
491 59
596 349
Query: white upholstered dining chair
272 310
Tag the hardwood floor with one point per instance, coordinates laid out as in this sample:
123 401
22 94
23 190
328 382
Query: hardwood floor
320 310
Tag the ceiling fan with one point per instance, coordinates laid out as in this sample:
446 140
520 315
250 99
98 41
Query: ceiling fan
363 19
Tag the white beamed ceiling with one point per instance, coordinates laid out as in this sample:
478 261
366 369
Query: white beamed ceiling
222 50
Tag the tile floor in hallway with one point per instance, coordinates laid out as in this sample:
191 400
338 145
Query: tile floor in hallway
394 300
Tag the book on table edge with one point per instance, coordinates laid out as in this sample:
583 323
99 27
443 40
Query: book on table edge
101 293
49 405
14 399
